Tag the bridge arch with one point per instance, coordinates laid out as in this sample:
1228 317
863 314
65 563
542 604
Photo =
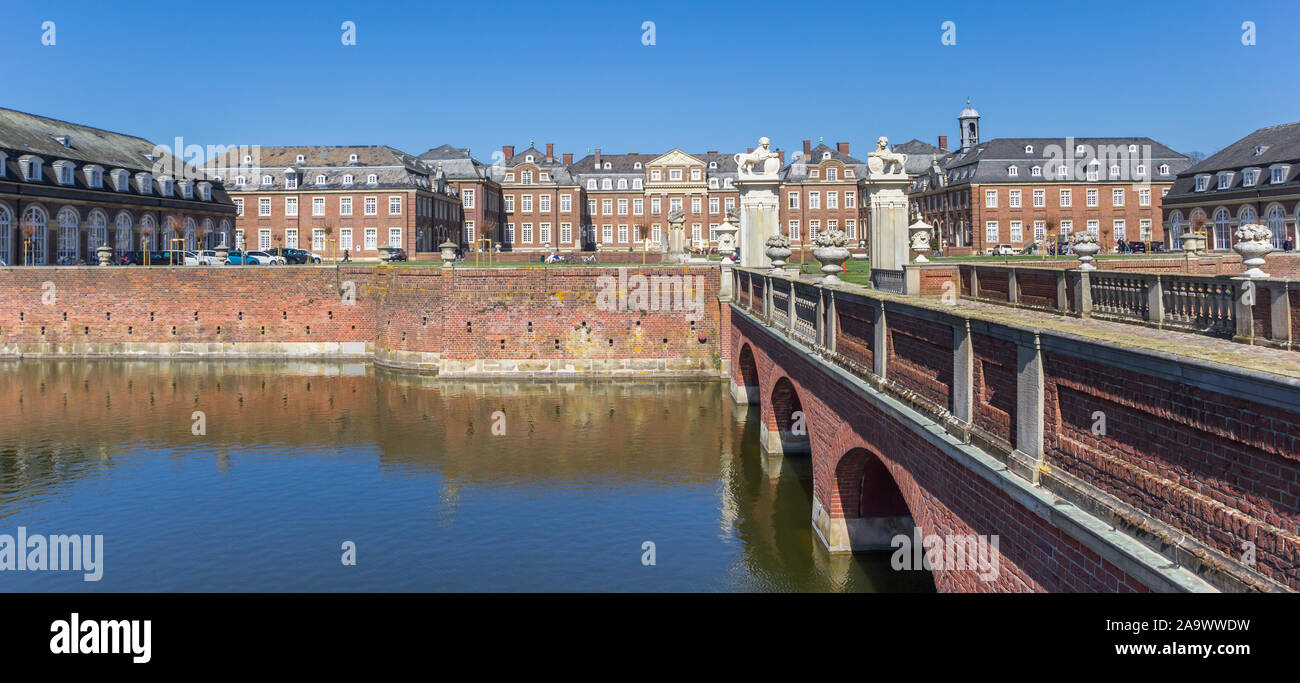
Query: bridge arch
744 380
785 422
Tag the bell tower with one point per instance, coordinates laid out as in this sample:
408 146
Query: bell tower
969 123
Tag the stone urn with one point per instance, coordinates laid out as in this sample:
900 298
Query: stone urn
727 239
1191 242
1253 242
919 239
1085 245
448 250
223 253
105 254
832 250
778 250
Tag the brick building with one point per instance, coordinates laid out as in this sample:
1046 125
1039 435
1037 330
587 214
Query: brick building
821 189
1033 191
480 195
327 199
1254 180
66 189
541 202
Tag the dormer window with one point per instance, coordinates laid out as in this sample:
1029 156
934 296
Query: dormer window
165 186
320 179
1202 183
1225 180
622 183
636 183
591 183
1079 149
726 183
31 166
290 181
545 176
240 181
1164 169
121 180
4 158
187 189
63 172
1132 149
205 191
1029 149
1114 170
94 176
301 158
64 140
605 184
372 179
1277 174
713 183
1013 171
1140 171
352 158
1260 149
713 165
1249 177
528 158
144 183
248 159
608 166
637 166
1094 170
826 155
1036 171
347 179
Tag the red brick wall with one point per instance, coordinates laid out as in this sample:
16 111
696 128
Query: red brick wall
1037 289
920 357
855 326
994 386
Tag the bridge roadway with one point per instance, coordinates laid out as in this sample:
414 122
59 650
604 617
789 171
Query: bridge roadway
1106 456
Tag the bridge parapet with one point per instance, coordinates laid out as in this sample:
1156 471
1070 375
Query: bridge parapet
1191 450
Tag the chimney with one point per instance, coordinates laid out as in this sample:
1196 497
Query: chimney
568 158
780 153
550 151
807 150
508 151
943 142
843 147
597 157
749 150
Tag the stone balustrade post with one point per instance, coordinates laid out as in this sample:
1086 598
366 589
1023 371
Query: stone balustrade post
1083 294
1155 300
974 282
1062 293
1029 404
880 341
832 324
790 314
963 364
1280 313
1013 288
1245 295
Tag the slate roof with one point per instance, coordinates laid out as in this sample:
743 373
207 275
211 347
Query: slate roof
560 175
22 134
991 161
394 168
797 170
457 163
1261 150
920 155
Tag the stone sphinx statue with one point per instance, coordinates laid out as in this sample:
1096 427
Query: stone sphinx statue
761 162
883 161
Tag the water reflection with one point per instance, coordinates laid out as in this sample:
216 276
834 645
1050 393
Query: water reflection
299 457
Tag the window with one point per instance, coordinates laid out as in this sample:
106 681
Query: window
1225 180
851 229
1144 196
345 206
675 174
1066 197
371 206
290 181
794 200
1029 149
372 179
266 180
1013 171
814 200
1062 171
395 234
510 203
729 204
264 239
291 206
1119 230
371 239
695 205
1094 227
264 206
291 238
655 174
1164 169
1036 171
622 183
318 206
566 203
1017 232
544 202
1277 225
345 238
239 182
850 200
607 207
1221 229
1203 183
675 204
1013 199
991 199
832 174
591 207
1249 177
1144 229
794 230
1117 196
566 233
1040 232
832 200
510 233
991 232
695 174
239 206
347 179
1040 198
622 207
1067 229
696 233
1091 198
714 205
394 205
317 239
1094 171
1114 171
525 177
320 180
655 206
607 233
526 230
526 203
813 227
638 207
544 233
1277 175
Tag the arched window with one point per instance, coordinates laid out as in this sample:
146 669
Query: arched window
224 231
124 241
191 237
68 242
1277 225
209 235
1247 215
33 228
6 227
98 231
1221 226
148 228
168 233
1176 227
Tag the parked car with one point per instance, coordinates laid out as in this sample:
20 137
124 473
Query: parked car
208 257
1157 247
1004 250
266 258
315 258
239 258
397 254
1137 247
153 257
290 255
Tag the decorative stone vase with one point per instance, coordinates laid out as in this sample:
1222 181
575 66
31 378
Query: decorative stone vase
448 249
727 240
832 251
778 250
223 253
105 254
1085 245
1253 242
1191 242
919 239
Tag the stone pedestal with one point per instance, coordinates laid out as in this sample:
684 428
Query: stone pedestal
759 218
887 213
676 245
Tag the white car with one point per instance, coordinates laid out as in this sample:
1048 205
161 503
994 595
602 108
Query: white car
266 259
315 258
193 258
1004 250
206 257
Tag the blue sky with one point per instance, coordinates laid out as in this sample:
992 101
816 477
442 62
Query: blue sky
483 74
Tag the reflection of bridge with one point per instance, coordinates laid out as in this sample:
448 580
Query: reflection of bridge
1101 462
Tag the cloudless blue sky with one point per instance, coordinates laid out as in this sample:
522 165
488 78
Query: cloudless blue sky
483 74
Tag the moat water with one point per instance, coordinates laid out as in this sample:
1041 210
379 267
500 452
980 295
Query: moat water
252 476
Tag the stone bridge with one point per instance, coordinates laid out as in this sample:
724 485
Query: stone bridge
1101 458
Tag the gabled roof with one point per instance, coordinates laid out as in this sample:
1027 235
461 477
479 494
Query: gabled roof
1280 144
393 168
456 163
797 168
